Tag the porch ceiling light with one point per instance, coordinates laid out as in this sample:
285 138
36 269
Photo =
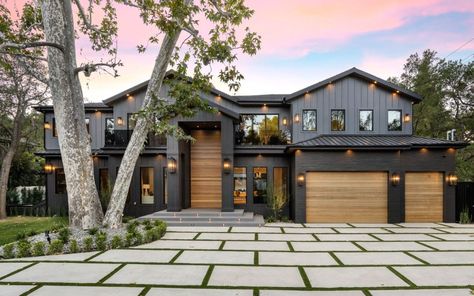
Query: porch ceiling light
119 121
227 166
395 179
172 165
300 179
48 168
452 179
297 118
47 125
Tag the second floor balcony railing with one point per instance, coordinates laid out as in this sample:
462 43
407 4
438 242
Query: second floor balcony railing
119 139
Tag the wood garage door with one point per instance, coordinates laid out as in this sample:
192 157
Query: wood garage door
206 172
424 197
351 197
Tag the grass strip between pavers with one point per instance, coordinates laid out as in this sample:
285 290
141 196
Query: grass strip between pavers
416 258
31 290
290 246
229 230
366 292
428 246
17 271
95 255
304 276
197 235
336 258
221 246
360 247
176 256
207 277
145 291
255 258
256 292
102 280
404 278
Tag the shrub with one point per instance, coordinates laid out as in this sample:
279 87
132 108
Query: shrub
56 247
64 234
138 238
126 219
129 238
158 222
32 233
465 216
13 197
9 251
38 249
150 235
93 231
73 246
56 227
21 235
23 248
101 241
88 243
116 242
132 226
161 230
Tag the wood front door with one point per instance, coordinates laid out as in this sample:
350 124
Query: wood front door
206 169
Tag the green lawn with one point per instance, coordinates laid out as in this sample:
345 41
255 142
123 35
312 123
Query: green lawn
10 227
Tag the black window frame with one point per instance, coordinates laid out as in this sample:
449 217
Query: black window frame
265 197
266 115
400 111
57 172
343 122
315 122
54 131
152 189
372 127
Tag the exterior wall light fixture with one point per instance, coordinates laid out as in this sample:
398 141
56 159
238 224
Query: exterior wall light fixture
227 166
172 165
395 179
47 125
119 121
284 121
452 179
407 118
48 168
300 179
297 118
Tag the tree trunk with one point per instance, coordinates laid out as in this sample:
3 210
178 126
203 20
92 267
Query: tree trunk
83 200
113 217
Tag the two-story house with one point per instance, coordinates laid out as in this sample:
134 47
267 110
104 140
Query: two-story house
342 149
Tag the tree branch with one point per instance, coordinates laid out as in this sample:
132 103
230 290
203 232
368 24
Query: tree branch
32 45
219 9
87 21
89 68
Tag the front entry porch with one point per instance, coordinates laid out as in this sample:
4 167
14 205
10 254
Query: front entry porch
207 217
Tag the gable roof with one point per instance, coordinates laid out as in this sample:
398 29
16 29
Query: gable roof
360 74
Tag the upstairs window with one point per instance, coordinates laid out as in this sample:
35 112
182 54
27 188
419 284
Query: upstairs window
309 120
260 129
366 121
394 120
338 120
109 124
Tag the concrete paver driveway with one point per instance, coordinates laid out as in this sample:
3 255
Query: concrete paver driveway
275 260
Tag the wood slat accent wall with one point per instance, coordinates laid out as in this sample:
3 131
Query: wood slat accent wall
424 197
206 169
350 197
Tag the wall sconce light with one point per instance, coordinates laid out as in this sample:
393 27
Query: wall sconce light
297 118
48 168
407 118
300 179
395 179
452 179
119 121
172 165
284 121
47 125
227 165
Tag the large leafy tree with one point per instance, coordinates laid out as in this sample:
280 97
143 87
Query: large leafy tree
191 52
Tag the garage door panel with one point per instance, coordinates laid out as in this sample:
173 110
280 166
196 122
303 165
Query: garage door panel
354 197
424 197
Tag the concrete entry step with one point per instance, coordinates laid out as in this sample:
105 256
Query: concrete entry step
200 213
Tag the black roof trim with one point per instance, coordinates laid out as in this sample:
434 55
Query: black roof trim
361 74
87 106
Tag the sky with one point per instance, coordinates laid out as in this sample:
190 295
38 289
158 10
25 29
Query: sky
305 41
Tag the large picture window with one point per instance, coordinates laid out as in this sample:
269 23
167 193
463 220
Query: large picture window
240 185
260 129
338 120
309 120
394 120
60 181
366 120
259 185
147 186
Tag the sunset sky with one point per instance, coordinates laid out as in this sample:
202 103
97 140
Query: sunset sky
305 41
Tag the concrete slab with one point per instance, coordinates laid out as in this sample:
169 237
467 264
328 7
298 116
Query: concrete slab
455 237
62 257
376 258
309 230
379 225
361 230
216 257
179 235
256 229
414 230
330 225
283 224
324 246
198 292
440 257
405 237
197 229
85 291
419 225
458 230
256 276
148 256
348 277
457 225
9 267
227 236
309 293
159 274
295 259
285 237
452 246
393 246
422 292
14 290
182 245
439 275
256 246
345 237
63 273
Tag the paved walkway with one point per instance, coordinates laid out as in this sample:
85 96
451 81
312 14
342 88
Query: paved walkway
276 260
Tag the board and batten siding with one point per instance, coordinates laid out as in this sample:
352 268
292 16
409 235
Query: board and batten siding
351 94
